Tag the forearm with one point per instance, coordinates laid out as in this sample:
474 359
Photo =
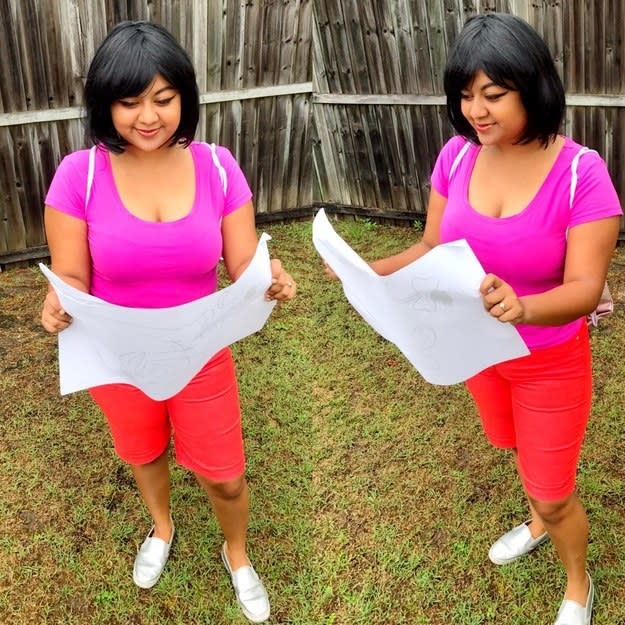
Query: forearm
391 264
234 273
562 304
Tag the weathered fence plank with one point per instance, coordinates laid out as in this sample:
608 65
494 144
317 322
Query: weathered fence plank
367 136
237 48
410 40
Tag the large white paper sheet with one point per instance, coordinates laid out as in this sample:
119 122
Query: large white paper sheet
157 350
431 309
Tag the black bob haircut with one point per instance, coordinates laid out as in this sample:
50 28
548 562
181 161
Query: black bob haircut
513 55
125 65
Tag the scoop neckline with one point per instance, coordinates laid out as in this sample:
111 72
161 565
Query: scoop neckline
528 206
127 212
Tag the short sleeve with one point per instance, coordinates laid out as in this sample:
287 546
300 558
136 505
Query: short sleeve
238 191
595 196
69 185
444 161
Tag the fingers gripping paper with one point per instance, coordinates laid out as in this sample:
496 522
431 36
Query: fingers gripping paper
157 350
431 309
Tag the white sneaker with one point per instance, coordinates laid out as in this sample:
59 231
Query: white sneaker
249 590
151 559
514 544
573 613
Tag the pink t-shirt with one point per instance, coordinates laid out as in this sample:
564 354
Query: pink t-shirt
526 250
144 264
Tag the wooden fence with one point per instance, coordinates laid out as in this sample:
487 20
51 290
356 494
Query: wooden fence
254 73
378 105
339 106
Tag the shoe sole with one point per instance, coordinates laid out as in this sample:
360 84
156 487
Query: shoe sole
254 619
143 584
591 597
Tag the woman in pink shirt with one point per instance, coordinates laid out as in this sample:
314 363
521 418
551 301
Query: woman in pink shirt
161 212
504 185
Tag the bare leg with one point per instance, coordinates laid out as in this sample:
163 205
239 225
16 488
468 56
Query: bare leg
536 525
153 482
230 502
567 524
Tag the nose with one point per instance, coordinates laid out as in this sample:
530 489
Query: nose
477 108
148 113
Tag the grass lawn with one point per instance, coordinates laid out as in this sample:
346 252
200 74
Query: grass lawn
374 495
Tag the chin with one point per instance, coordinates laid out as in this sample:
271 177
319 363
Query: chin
482 140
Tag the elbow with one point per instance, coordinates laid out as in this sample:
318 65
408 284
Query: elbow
79 282
234 273
598 292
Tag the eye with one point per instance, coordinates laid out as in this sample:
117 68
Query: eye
165 101
465 96
493 97
127 104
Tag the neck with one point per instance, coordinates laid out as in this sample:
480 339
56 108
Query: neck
522 149
160 155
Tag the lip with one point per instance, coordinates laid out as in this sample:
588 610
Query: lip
147 133
482 127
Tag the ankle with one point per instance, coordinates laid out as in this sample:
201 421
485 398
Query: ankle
536 528
577 590
163 529
237 556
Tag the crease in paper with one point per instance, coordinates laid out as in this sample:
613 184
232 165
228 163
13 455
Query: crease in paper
158 350
431 309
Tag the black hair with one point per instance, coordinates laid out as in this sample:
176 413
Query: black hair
125 65
514 56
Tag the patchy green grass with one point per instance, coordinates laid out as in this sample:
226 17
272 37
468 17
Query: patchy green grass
374 495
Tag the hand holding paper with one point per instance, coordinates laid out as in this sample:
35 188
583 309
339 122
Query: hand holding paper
157 350
431 309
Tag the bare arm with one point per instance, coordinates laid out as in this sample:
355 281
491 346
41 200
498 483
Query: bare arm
239 245
430 239
589 251
239 240
71 261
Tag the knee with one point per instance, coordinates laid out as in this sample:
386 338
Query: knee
232 489
553 512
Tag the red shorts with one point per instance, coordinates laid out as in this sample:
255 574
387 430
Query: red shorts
540 404
205 418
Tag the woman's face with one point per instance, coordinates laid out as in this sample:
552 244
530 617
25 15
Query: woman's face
149 120
496 113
